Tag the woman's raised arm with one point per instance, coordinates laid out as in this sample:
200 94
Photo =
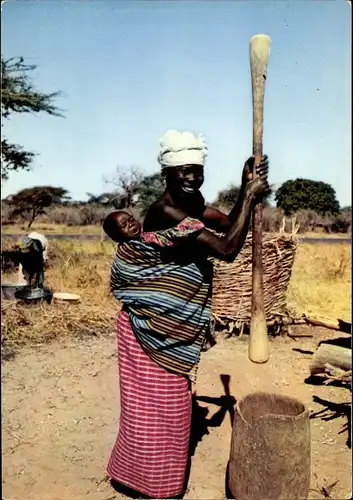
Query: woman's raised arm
228 246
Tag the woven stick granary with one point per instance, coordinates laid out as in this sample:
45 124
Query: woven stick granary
232 284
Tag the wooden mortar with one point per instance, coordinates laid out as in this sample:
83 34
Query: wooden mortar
270 449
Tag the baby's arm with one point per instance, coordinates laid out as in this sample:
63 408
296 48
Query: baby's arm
174 235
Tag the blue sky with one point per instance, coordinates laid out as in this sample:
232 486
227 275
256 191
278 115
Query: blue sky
130 70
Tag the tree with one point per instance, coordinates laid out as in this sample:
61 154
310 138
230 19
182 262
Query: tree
31 202
100 199
227 197
149 190
305 194
342 223
132 189
125 181
19 96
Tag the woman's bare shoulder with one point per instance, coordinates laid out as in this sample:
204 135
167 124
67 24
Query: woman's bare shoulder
163 214
157 207
155 215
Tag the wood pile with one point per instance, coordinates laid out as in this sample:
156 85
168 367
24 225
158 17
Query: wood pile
232 282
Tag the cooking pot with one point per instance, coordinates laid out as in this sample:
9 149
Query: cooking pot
34 295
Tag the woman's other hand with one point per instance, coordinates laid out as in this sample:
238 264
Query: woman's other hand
261 169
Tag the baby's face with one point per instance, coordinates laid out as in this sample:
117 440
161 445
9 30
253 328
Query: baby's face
127 226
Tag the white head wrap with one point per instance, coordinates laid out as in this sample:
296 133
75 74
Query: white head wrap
182 148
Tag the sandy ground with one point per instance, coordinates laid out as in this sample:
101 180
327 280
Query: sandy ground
60 411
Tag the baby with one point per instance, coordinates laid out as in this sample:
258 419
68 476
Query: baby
120 226
168 302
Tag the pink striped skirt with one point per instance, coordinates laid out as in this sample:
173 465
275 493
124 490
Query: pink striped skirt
151 451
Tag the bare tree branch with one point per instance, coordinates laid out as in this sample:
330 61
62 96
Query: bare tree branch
126 182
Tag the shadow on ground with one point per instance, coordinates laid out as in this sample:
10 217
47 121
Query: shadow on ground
339 341
200 423
334 410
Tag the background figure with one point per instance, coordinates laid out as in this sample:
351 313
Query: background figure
33 255
44 242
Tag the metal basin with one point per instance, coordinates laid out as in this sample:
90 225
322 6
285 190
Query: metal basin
34 295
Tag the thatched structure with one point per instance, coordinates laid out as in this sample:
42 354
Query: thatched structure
232 282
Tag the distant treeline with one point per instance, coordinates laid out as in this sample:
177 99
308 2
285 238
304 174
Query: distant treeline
302 204
84 214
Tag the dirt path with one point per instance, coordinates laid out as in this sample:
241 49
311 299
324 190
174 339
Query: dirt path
60 416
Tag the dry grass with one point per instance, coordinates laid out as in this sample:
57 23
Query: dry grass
323 235
51 228
77 267
321 281
320 286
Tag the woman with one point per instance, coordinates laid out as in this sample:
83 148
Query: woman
33 257
163 325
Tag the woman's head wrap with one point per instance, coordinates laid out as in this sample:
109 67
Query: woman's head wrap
182 148
24 244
